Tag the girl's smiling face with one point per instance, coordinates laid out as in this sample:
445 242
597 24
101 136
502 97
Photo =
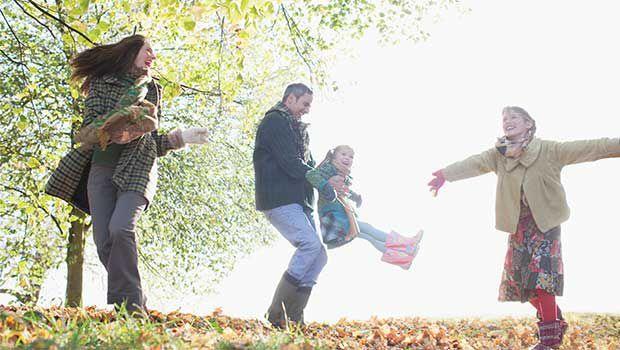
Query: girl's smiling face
343 156
515 126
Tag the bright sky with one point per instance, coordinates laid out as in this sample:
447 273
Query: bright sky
417 108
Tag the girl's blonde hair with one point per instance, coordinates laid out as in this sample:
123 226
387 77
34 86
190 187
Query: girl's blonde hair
330 154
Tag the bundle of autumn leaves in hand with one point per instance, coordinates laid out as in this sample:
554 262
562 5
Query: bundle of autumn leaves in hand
132 117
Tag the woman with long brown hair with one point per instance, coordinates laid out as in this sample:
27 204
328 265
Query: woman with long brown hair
112 174
530 206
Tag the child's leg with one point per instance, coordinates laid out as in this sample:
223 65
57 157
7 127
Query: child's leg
548 307
536 304
371 231
377 244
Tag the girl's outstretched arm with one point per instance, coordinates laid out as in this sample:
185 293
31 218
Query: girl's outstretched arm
475 165
573 152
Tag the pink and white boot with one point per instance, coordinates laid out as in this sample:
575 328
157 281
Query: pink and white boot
408 245
401 250
398 258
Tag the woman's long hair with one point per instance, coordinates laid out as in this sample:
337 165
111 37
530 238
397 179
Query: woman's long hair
106 59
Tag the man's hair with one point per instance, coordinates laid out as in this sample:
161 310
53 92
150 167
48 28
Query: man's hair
297 90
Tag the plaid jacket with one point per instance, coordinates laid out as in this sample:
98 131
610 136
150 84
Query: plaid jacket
136 169
281 159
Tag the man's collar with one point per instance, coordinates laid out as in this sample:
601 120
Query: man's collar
281 107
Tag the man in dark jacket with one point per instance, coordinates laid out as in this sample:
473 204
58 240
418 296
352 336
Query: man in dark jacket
281 159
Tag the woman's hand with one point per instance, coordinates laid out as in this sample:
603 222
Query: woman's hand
437 182
197 136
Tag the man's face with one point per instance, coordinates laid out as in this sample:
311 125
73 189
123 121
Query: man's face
298 105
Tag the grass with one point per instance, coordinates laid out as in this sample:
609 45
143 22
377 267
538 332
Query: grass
89 328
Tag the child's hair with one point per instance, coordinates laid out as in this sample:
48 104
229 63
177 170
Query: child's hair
330 154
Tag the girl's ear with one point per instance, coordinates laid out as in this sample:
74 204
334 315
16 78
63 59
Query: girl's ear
529 124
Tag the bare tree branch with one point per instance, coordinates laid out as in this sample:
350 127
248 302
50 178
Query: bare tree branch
36 19
12 60
38 7
54 218
299 33
12 31
186 87
21 48
219 67
23 67
290 28
21 297
59 20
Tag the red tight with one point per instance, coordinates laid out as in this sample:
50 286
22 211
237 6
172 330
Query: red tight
545 305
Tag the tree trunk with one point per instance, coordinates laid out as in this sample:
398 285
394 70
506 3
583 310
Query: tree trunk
75 259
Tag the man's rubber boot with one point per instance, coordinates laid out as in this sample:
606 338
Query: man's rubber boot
283 301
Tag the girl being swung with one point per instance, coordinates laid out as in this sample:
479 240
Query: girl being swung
337 216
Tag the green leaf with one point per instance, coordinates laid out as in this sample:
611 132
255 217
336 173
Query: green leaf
243 34
21 125
84 5
103 25
95 34
33 162
189 24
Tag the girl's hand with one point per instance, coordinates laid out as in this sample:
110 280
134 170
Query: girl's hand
357 198
337 182
437 182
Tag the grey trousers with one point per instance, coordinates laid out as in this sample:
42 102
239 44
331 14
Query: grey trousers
114 215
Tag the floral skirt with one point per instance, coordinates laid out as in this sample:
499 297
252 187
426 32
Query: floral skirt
533 261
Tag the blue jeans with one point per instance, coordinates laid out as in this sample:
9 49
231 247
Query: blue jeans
297 226
373 235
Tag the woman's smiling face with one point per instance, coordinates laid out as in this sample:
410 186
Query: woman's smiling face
146 56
